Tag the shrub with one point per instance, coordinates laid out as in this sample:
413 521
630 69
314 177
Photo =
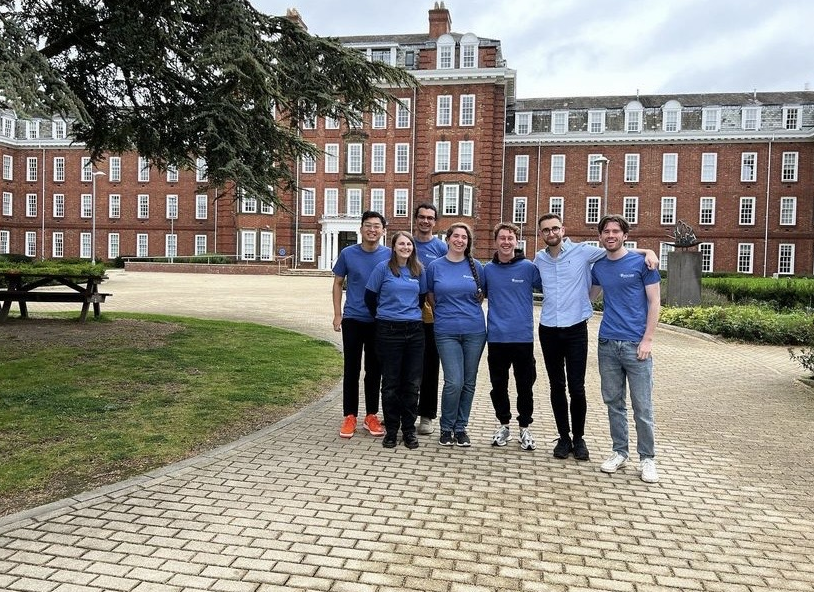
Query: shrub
805 357
781 294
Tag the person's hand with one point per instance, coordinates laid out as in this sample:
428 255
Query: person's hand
651 260
337 323
644 350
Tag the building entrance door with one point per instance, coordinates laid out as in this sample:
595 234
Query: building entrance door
347 239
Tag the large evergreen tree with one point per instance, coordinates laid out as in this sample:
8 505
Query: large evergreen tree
181 79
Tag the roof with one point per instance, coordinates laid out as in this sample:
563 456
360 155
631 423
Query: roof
656 101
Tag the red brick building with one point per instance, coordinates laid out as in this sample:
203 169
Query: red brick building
736 167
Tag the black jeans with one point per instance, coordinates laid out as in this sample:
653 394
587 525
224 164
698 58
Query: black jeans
428 395
358 336
519 356
400 347
565 353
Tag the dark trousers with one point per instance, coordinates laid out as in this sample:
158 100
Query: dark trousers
400 347
520 357
428 395
358 336
565 353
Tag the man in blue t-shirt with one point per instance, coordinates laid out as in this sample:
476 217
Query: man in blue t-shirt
428 248
354 264
632 301
509 282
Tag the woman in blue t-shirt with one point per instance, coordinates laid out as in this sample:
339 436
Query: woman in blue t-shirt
394 294
455 292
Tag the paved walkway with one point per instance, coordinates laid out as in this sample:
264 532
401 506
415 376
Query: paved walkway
295 508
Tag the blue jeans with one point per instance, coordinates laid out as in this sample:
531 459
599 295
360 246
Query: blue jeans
618 363
460 357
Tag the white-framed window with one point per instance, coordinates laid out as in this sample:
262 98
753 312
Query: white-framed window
466 115
450 205
307 253
556 205
400 202
664 254
749 167
707 251
86 205
114 169
309 164
669 167
711 119
631 169
330 206
172 173
86 170
791 117
266 207
519 209
466 156
142 245
201 172
634 115
521 168
383 55
785 258
331 158
172 207
8 200
443 117
143 170
5 241
8 167
442 156
112 245
469 51
331 123
706 214
378 158
353 196
59 169
467 193
58 245
59 129
308 207
378 119
630 209
750 118
592 209
200 244
403 113
201 207
85 245
746 211
114 205
30 205
788 211
596 121
594 168
445 52
31 244
58 205
559 122
668 210
266 245
248 245
671 117
558 168
143 208
377 200
402 158
354 163
7 127
32 131
709 167
522 124
31 168
789 169
746 256
309 120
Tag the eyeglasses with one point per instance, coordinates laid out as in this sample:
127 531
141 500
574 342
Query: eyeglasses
427 218
372 226
554 229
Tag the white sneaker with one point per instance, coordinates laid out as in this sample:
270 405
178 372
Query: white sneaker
425 427
502 435
526 439
615 461
648 470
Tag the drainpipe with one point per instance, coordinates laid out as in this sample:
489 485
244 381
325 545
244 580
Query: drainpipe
42 233
537 194
215 204
412 162
766 213
503 153
297 216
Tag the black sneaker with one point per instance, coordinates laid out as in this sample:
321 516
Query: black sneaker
563 447
446 438
390 440
410 440
462 439
581 450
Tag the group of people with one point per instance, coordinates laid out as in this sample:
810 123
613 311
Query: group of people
417 306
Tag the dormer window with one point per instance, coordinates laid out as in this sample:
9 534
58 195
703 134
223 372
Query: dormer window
522 124
469 51
750 118
711 119
559 122
596 122
446 52
633 117
791 117
671 116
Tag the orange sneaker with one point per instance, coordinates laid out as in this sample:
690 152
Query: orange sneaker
348 427
373 425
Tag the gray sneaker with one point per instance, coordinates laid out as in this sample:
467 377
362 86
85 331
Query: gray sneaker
502 435
425 427
527 440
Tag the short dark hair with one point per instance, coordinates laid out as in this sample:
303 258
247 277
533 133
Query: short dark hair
618 218
507 226
425 206
549 216
371 214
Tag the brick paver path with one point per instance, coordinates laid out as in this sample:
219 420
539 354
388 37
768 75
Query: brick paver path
294 507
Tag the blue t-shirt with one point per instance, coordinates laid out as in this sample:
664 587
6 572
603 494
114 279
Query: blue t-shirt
429 251
398 296
457 308
623 284
356 264
509 288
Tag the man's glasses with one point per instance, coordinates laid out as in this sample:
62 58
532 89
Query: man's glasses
427 218
554 229
372 226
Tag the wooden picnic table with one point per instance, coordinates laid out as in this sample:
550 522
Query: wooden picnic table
35 286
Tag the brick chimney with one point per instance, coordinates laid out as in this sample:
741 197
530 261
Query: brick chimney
293 15
440 21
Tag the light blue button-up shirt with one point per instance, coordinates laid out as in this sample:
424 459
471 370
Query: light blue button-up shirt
566 283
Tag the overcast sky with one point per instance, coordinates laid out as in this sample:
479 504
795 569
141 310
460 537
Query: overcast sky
611 47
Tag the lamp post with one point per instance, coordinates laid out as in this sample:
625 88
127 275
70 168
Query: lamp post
604 161
94 174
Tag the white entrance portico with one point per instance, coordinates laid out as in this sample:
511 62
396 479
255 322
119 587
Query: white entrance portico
337 233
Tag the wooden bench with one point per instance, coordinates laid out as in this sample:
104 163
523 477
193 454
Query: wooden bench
84 289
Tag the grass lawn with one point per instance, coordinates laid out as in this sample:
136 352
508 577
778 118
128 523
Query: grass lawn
87 404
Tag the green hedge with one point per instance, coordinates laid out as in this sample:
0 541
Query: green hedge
782 294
